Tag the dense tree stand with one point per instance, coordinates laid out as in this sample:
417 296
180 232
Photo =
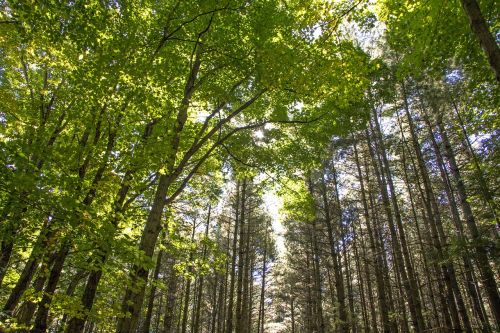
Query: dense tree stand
303 166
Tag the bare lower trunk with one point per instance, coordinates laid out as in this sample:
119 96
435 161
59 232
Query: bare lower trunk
149 314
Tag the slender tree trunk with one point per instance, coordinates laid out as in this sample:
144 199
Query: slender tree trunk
168 319
241 259
487 275
230 313
152 295
484 189
247 271
427 273
384 308
339 281
468 268
196 326
187 289
260 322
318 295
361 281
400 244
309 320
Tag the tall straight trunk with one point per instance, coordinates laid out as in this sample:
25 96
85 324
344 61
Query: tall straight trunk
350 297
428 226
230 314
480 29
381 240
152 295
194 303
339 280
400 245
157 314
221 311
426 270
246 300
360 281
350 292
185 306
187 288
309 318
262 313
168 319
484 189
486 272
241 259
455 299
367 262
384 308
403 316
468 267
249 322
196 326
218 300
132 301
318 295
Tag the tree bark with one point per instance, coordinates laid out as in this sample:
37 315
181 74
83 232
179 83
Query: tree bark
487 275
230 306
241 259
152 294
483 34
400 245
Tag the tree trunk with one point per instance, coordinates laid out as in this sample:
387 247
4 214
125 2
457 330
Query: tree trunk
168 319
29 269
487 275
152 295
40 325
241 260
483 34
230 313
339 280
196 326
384 308
247 271
400 246
260 322
132 302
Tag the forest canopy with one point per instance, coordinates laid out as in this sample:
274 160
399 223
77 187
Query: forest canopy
249 166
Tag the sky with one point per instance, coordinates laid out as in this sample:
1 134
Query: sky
273 205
